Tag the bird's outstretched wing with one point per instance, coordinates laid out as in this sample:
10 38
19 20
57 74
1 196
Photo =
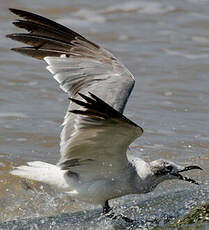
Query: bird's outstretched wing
98 145
76 63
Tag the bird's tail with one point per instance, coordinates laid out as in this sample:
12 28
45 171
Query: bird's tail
42 172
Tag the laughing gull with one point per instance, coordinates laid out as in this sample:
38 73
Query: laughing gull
94 166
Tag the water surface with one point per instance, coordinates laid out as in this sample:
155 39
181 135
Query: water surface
165 44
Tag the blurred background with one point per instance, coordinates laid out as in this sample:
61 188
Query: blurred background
165 44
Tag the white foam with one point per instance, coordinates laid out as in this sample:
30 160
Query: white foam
144 7
83 18
90 15
13 114
188 56
200 39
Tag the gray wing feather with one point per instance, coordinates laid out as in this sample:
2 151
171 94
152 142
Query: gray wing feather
77 64
98 145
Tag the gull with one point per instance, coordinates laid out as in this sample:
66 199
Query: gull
95 165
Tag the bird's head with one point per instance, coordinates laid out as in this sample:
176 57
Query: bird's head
165 170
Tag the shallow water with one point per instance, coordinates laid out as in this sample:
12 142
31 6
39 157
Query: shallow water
165 44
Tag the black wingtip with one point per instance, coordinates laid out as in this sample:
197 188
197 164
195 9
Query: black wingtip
80 94
86 98
95 97
8 35
15 11
11 9
18 50
11 36
14 49
92 95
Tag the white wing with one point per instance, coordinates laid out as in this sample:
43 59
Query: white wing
79 66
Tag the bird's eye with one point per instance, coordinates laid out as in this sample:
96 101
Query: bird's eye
169 168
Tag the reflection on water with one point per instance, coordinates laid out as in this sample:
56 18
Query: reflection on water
163 43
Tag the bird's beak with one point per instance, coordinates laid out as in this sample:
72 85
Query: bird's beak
187 168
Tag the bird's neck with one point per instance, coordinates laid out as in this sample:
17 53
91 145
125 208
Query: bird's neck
144 180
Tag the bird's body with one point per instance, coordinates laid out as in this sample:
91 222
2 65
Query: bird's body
96 191
94 166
